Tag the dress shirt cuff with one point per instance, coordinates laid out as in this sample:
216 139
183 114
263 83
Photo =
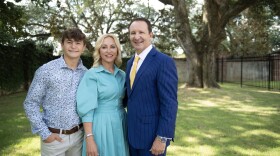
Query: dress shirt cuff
45 133
166 137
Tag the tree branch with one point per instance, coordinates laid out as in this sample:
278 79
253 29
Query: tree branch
166 2
45 35
184 33
237 8
37 24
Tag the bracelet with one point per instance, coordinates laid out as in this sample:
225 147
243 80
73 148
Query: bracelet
88 135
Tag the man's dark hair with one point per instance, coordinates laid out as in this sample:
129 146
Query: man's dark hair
73 33
144 20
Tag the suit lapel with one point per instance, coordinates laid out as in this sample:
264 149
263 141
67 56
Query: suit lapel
148 60
128 68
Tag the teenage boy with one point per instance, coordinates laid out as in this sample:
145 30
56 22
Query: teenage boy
54 89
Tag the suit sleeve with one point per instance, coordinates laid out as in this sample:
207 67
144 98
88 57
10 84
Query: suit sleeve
167 86
87 97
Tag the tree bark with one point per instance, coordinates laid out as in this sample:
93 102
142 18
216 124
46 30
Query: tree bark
188 43
201 54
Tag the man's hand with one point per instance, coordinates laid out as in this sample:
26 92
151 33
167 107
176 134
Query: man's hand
52 138
158 147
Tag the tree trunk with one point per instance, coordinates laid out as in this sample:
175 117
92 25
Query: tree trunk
194 69
209 70
200 51
188 43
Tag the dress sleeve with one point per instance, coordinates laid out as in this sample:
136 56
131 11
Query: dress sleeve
87 96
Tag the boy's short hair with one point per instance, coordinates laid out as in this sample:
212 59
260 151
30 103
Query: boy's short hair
73 33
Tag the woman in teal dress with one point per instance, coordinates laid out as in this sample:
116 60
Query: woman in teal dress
100 101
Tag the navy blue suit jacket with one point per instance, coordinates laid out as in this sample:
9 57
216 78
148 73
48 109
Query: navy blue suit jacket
152 102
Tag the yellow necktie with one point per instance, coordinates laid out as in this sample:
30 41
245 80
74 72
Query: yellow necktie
133 71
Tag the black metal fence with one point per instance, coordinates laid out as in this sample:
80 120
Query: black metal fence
261 72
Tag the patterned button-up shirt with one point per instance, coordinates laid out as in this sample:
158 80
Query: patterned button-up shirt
54 88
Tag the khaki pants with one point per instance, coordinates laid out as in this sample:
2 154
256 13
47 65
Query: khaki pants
71 145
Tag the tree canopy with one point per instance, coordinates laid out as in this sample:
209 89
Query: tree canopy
12 21
106 16
204 29
202 46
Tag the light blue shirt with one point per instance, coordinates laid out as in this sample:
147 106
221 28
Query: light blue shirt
54 88
100 101
100 90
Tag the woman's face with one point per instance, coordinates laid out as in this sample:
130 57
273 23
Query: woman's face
108 51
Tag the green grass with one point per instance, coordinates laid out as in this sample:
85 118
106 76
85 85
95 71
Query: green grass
227 121
15 132
272 85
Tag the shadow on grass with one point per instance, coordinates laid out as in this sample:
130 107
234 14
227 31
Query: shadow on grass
227 121
14 127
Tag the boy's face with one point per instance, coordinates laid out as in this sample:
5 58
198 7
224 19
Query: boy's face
72 49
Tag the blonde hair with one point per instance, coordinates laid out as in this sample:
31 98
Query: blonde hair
98 44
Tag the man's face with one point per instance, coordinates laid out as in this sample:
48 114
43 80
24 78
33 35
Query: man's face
72 49
139 36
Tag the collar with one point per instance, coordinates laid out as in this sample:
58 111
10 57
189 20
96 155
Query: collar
144 53
101 68
62 63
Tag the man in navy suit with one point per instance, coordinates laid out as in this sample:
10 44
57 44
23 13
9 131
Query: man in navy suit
152 95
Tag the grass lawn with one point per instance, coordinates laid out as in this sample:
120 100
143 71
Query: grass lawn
16 138
227 121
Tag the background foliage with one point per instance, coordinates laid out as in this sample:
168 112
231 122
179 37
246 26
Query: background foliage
30 31
18 64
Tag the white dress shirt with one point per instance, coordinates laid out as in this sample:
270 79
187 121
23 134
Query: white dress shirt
142 56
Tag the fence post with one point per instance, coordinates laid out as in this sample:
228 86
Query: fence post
241 71
222 74
269 72
217 70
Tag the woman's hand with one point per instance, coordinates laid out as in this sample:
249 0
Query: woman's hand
91 146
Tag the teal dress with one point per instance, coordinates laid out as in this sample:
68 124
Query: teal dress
99 100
